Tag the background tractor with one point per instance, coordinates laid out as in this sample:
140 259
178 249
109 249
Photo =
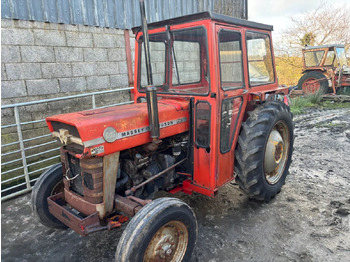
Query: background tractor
207 110
325 69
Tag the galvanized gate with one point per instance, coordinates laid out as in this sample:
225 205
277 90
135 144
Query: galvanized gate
24 159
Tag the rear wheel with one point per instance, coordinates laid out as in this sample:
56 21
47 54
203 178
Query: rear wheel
164 230
264 151
312 82
49 183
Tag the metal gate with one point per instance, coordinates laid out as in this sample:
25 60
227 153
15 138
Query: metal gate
25 158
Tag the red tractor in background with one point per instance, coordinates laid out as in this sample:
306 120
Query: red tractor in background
207 110
325 69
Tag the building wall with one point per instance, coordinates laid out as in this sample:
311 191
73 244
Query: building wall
123 14
42 58
45 60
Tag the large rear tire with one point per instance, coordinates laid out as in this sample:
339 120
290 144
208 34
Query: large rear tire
49 183
163 230
264 151
312 82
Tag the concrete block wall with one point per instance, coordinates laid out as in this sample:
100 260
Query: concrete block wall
42 58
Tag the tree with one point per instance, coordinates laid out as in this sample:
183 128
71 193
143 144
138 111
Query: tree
308 39
325 25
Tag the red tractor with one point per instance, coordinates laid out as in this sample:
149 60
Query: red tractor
207 110
325 69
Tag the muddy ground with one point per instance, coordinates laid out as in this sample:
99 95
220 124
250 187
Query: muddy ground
308 221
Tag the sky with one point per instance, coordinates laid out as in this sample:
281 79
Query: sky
278 12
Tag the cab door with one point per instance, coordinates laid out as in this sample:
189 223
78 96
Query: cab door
231 91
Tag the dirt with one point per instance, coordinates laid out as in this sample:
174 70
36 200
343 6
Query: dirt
308 221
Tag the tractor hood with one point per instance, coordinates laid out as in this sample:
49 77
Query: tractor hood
108 130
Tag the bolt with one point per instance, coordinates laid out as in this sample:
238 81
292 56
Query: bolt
168 252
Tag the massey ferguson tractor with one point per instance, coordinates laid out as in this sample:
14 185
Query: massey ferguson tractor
208 110
325 69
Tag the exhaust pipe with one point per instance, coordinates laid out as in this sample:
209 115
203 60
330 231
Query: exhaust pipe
151 91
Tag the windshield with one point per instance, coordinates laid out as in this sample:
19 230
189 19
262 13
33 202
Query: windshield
341 56
180 67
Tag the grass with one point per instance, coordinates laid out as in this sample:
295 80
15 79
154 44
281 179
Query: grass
299 104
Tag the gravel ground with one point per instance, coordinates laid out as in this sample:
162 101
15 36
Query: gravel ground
308 221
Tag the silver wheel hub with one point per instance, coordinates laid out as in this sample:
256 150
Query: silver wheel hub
274 152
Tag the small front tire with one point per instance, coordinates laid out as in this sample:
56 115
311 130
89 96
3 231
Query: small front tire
49 183
164 230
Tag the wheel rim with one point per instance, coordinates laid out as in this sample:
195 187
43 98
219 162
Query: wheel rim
276 153
169 243
57 188
311 85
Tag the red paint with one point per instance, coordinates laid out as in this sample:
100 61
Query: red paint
212 168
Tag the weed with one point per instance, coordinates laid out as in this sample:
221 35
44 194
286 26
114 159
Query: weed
334 105
315 98
298 104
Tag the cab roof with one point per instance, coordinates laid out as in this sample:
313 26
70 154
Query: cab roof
322 46
204 16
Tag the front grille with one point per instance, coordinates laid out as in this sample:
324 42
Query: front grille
76 184
86 175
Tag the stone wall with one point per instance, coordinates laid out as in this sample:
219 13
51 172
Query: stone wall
44 60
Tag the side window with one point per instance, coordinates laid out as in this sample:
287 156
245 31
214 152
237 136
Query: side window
259 58
313 58
230 54
230 111
202 123
330 58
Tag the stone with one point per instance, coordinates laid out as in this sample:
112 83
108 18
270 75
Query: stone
49 37
37 54
42 86
54 70
84 69
116 54
7 23
107 68
97 82
123 68
23 71
120 41
78 39
10 53
69 54
105 40
3 72
95 54
14 36
118 81
13 89
75 84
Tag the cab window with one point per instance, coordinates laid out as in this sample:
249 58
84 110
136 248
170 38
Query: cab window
259 58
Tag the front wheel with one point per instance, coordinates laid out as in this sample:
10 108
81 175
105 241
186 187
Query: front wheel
163 230
264 151
48 184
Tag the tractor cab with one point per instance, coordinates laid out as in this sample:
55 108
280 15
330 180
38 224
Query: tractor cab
220 65
319 57
325 68
207 110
